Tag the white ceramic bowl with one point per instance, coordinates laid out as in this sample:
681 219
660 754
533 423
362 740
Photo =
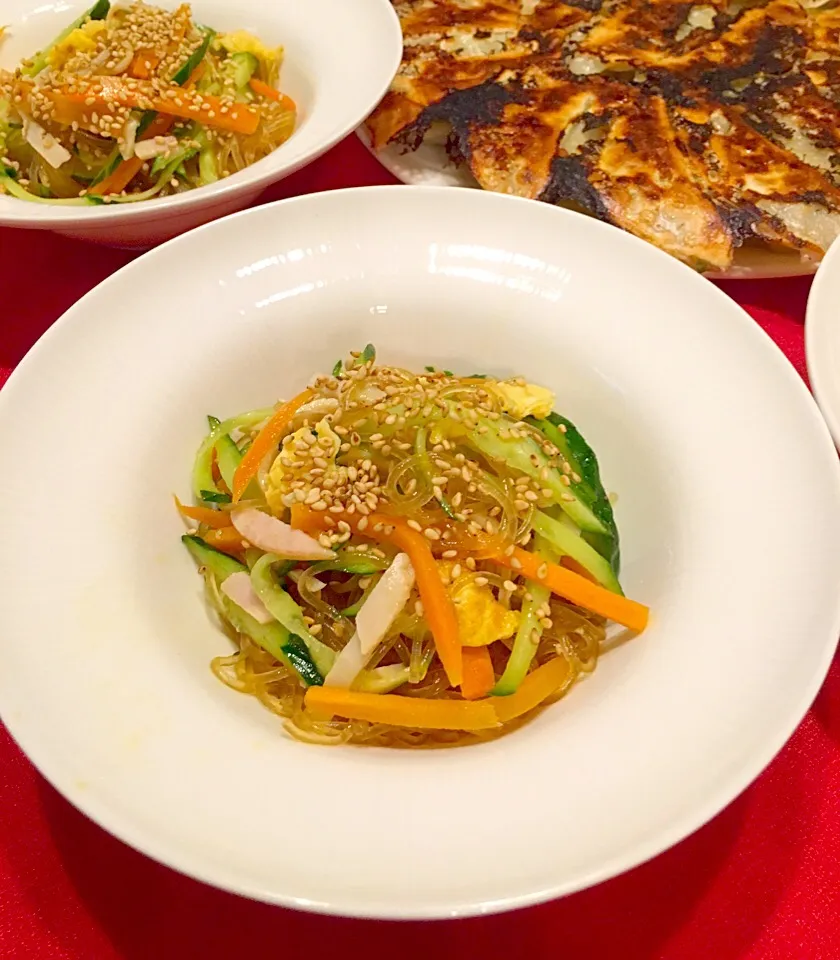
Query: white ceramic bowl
729 509
340 59
822 339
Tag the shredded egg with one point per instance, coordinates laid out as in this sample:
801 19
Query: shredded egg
80 40
240 41
292 463
520 400
481 618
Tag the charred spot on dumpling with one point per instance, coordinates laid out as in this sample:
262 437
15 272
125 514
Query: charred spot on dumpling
570 183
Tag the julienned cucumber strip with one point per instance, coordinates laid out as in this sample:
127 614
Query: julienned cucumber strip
185 70
228 458
527 456
589 489
566 539
219 564
202 475
14 189
242 67
298 656
284 609
525 645
346 562
97 12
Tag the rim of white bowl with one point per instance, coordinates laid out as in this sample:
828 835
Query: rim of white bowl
819 316
36 216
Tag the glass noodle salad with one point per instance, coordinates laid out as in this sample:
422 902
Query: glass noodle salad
406 559
132 102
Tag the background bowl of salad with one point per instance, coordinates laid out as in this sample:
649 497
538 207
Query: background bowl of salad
337 61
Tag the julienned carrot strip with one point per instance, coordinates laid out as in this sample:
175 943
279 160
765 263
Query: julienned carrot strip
217 519
267 440
144 63
437 604
403 711
264 90
538 686
575 567
485 714
577 589
479 678
227 539
171 100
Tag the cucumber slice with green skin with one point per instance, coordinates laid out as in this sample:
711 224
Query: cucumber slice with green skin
298 656
219 564
228 458
241 67
14 189
345 562
183 73
284 609
272 637
213 496
527 456
382 679
530 630
589 489
206 158
202 475
525 644
570 542
97 12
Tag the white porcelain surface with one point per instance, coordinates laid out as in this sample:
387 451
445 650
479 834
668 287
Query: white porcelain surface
822 339
325 41
702 427
430 166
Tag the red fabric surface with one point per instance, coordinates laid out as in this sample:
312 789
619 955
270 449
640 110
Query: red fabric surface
760 882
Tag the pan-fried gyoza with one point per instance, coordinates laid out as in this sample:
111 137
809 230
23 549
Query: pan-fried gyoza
700 128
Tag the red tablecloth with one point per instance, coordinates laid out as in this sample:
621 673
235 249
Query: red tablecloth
762 880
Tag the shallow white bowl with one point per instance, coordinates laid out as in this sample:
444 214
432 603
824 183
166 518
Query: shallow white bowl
340 58
822 339
729 509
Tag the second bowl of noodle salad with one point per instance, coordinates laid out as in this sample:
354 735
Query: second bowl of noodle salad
406 558
127 122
